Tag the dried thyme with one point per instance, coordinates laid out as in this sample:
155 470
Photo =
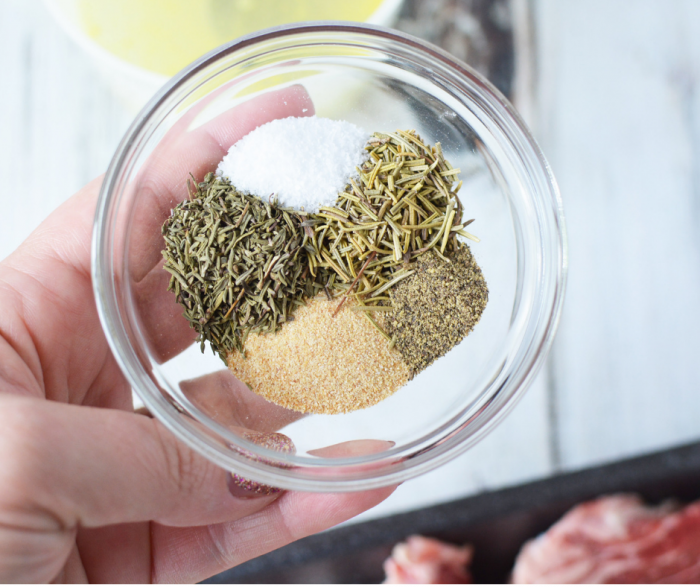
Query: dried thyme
237 263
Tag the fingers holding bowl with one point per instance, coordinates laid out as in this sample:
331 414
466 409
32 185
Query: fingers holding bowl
213 549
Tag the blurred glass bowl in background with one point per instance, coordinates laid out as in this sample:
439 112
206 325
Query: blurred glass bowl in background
380 80
137 45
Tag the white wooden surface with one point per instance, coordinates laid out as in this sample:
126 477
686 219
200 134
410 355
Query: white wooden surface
613 99
619 118
58 124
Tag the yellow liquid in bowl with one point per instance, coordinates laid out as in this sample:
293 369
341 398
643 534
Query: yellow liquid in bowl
165 35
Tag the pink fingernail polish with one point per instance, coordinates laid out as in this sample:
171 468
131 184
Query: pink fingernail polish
243 488
271 440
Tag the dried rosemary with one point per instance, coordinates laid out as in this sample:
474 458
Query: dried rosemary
238 264
404 204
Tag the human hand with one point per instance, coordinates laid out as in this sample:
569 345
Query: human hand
89 490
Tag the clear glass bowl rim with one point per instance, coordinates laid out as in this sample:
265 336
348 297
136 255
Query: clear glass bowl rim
494 410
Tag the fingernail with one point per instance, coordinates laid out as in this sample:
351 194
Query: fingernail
243 488
271 440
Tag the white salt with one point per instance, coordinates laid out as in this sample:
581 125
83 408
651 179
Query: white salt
304 161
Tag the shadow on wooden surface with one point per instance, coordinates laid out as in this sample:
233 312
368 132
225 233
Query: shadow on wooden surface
496 523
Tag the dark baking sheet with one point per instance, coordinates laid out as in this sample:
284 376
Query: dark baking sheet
496 523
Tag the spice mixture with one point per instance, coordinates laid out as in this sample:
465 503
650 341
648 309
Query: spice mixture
399 288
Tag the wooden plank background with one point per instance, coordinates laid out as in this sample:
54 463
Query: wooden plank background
610 88
619 118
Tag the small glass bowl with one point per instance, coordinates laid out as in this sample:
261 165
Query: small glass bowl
380 80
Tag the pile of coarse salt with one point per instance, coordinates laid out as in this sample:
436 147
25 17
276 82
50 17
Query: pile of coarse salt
305 162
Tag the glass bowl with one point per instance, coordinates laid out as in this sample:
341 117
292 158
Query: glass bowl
380 80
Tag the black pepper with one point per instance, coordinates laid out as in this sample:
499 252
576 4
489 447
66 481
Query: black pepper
436 307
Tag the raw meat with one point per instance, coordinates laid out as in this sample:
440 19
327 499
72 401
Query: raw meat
616 539
428 561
